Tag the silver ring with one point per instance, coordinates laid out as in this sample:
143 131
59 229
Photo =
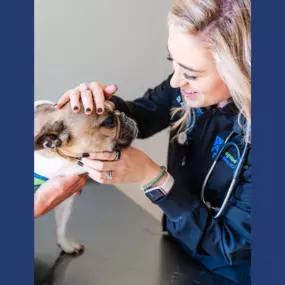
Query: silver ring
118 155
110 175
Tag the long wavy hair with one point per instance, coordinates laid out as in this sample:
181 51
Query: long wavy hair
225 28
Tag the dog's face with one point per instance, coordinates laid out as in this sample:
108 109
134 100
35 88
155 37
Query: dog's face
71 134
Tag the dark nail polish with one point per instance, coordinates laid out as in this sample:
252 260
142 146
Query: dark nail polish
116 86
79 158
75 108
85 154
80 163
88 110
100 110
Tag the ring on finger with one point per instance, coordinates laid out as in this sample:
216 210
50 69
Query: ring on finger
110 175
82 87
118 155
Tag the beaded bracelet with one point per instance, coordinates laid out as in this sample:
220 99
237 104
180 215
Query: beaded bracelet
162 172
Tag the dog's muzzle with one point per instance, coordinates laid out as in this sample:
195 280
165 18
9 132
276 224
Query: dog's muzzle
128 132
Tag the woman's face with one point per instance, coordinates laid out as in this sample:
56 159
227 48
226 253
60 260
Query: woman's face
195 71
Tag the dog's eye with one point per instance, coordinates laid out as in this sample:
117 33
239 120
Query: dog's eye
109 122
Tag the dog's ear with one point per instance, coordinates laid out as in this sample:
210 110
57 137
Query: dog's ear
51 136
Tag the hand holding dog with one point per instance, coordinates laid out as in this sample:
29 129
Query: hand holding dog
55 191
134 166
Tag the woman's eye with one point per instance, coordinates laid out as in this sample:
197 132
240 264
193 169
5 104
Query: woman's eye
109 122
188 77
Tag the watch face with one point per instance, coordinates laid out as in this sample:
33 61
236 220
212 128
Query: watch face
155 194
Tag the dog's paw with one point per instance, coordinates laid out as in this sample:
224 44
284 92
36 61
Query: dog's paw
70 246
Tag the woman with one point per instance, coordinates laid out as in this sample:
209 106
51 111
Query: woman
206 101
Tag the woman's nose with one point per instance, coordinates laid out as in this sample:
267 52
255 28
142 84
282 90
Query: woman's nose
178 80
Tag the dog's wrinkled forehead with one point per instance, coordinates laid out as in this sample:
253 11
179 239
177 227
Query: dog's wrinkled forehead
45 112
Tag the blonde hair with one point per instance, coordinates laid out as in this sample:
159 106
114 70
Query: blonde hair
225 27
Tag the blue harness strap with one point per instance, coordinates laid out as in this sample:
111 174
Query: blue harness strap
38 181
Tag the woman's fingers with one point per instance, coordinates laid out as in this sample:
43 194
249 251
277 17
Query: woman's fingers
98 96
100 165
110 90
106 155
101 176
83 87
87 100
75 100
63 99
92 95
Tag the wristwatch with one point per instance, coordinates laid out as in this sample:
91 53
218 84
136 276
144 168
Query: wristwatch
158 192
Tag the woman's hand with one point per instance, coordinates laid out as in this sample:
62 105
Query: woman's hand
92 95
134 166
55 191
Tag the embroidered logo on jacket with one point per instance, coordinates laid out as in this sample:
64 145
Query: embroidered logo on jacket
227 157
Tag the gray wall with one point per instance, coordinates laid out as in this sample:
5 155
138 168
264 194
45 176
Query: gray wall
114 42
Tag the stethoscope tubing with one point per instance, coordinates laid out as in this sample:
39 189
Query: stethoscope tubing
241 160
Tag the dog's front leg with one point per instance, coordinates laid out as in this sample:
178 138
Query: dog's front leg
62 214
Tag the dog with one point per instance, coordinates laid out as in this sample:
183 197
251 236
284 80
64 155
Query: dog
62 136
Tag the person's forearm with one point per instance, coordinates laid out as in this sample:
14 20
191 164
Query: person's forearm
191 222
152 172
55 191
43 204
48 198
39 207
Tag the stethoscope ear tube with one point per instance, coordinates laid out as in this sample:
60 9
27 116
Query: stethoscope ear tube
242 160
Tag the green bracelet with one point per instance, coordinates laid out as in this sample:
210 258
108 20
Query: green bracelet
163 170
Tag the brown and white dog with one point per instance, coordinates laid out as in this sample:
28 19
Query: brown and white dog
61 136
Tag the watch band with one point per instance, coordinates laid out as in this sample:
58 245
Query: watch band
165 187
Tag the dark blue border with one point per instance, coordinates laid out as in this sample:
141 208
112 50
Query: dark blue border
16 139
268 86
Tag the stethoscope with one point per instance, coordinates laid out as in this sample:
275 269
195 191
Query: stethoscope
240 160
